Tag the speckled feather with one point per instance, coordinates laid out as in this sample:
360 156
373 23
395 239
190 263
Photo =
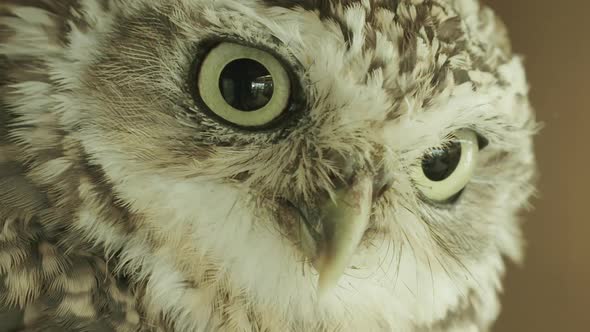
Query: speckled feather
123 207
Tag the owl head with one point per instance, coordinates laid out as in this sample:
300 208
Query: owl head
289 165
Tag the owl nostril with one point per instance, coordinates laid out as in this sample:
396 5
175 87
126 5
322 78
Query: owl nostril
380 189
381 184
350 169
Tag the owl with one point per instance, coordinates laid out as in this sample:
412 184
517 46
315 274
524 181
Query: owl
258 165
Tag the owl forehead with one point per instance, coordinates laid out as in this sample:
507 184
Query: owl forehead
363 36
387 49
360 62
365 58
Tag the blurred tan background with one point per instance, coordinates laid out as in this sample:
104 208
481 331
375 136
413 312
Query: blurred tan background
551 293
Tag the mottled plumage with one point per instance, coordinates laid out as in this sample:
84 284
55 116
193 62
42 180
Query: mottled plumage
125 206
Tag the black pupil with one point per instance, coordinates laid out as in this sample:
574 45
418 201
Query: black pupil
246 85
440 163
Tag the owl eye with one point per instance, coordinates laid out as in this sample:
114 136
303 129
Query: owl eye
445 171
245 86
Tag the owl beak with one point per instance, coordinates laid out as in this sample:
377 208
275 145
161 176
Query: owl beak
344 220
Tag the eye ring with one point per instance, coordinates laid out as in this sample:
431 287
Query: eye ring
445 189
209 89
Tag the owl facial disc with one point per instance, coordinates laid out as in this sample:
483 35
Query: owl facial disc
344 220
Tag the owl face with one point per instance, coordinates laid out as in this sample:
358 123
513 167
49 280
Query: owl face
326 163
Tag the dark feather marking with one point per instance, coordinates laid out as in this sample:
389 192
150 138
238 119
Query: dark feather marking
451 30
10 318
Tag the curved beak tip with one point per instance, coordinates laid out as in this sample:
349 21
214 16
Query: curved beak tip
345 221
329 274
